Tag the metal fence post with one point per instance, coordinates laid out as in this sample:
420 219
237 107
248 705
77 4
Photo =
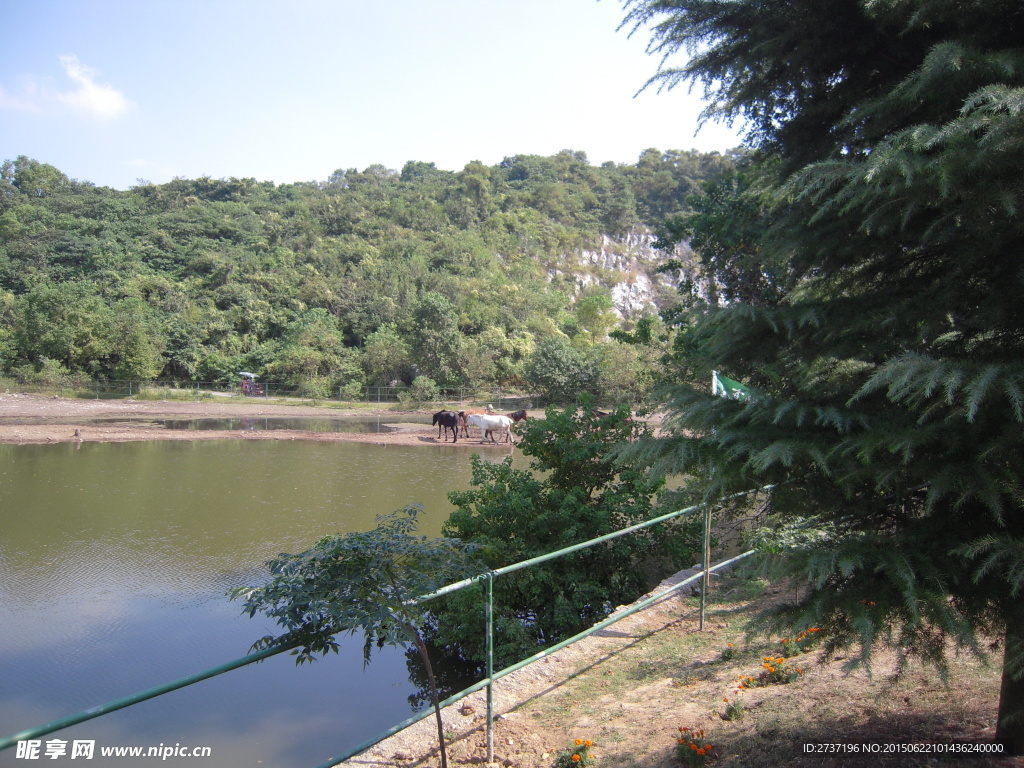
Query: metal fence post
489 622
706 576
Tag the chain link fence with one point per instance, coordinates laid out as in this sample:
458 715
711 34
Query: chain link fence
397 397
378 398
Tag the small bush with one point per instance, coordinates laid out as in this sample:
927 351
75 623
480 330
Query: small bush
692 747
577 757
423 390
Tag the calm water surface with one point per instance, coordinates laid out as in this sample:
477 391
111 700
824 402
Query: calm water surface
115 561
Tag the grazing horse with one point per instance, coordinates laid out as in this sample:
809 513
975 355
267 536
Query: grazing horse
489 423
464 419
518 415
448 420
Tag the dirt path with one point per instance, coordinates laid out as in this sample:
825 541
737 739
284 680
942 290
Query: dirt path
631 687
26 419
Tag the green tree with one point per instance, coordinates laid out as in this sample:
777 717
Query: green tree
67 322
595 312
33 178
458 264
313 350
725 226
425 390
367 581
138 345
386 355
626 373
560 371
888 378
436 340
572 492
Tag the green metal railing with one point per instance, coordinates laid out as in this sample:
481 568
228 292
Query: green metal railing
488 580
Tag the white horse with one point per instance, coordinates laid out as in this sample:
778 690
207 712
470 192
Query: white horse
491 423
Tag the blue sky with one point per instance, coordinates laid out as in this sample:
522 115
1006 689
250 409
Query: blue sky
113 91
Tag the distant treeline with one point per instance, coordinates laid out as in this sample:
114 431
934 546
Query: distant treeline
366 278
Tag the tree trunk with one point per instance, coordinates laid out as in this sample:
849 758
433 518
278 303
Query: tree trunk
422 648
1010 723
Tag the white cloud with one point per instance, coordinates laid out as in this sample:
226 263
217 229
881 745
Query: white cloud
27 101
100 100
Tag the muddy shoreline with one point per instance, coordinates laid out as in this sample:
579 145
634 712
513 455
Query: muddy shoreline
37 419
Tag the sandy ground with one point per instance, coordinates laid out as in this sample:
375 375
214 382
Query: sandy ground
26 419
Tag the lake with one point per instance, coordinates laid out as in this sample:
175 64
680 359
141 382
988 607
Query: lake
115 562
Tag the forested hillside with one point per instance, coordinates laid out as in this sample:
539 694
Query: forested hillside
371 276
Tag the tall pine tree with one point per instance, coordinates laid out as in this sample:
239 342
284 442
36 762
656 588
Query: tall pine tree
889 377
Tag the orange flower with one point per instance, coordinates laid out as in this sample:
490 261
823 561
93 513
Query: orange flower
578 742
576 758
588 743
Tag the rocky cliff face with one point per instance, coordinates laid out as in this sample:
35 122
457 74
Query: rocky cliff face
628 266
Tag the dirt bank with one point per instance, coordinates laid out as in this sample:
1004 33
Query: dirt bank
26 419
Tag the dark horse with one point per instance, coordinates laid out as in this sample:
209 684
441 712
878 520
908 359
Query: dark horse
448 420
518 416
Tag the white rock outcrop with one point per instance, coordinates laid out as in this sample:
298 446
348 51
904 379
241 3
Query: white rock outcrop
628 266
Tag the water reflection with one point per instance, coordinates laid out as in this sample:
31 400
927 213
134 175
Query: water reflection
114 564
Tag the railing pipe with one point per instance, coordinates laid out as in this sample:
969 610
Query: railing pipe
56 725
639 606
127 701
526 662
589 543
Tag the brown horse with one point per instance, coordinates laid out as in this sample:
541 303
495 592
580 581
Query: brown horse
464 419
